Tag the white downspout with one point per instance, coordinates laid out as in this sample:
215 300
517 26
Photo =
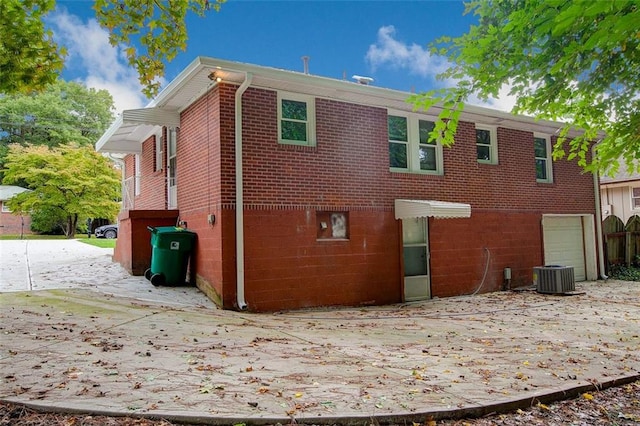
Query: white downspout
596 189
242 305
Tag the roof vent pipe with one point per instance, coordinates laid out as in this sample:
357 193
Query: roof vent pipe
305 62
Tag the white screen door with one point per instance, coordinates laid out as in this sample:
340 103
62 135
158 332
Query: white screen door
416 259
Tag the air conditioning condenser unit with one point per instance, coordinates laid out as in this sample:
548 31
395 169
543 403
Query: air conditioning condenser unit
554 279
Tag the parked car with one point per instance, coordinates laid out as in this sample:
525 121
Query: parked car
106 231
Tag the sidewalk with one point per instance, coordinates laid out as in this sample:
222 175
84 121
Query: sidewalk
81 349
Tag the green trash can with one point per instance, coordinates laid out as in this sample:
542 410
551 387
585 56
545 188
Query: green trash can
170 251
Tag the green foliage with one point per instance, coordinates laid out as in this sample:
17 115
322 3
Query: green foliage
67 182
159 27
571 61
29 58
64 112
47 220
625 273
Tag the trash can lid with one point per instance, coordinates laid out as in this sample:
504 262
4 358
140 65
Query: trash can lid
168 229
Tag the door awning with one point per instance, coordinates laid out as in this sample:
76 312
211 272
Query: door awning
406 209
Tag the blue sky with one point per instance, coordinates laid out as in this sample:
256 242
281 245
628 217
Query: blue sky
385 40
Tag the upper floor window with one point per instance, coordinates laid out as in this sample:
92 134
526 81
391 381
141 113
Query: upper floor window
296 119
635 198
5 207
398 142
486 144
542 152
409 145
428 150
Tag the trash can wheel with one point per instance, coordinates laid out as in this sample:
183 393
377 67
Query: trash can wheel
147 274
157 279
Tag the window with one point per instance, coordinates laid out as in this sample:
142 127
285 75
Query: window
398 142
542 152
635 198
296 119
427 149
158 151
486 144
5 207
409 145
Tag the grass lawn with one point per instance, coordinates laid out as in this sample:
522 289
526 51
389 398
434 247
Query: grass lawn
33 237
99 242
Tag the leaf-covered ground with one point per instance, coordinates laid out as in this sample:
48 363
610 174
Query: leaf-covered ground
613 406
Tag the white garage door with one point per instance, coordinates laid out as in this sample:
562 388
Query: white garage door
564 243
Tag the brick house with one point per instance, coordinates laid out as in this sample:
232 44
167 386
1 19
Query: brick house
11 224
308 191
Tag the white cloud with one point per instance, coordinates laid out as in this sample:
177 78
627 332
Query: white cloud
101 65
504 101
388 51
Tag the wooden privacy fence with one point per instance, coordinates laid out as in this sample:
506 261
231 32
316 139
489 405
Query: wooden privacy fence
622 242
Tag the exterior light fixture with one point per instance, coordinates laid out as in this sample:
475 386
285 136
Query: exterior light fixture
214 76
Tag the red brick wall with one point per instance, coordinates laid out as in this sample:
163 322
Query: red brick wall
11 224
129 166
153 188
199 192
133 246
286 267
469 255
348 170
350 165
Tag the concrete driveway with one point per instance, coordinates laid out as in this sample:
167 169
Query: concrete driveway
95 347
29 265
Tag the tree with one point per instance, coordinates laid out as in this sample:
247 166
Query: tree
570 61
30 59
63 112
159 27
67 182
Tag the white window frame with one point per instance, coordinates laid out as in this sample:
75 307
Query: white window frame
172 181
413 144
310 122
5 208
136 167
633 204
548 161
493 147
158 148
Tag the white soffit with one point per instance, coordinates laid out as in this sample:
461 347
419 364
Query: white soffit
406 209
